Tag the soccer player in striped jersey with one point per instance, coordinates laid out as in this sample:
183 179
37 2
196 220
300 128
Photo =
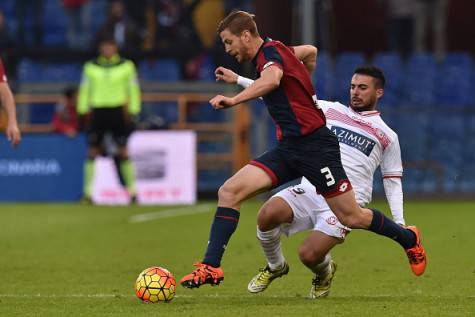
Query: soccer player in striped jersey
366 142
306 147
6 98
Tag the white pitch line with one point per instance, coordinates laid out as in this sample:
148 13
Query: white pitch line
380 296
169 213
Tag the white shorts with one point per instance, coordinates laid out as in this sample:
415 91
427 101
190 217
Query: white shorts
311 212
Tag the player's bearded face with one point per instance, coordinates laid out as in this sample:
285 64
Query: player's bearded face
234 46
363 93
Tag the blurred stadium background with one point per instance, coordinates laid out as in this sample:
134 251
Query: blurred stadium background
424 48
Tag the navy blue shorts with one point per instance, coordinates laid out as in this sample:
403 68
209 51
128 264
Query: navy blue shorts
315 156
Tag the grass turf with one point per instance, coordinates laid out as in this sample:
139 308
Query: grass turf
73 260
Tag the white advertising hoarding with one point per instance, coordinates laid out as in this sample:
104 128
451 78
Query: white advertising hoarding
165 169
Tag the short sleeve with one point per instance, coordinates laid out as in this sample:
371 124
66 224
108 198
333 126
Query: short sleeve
391 165
269 57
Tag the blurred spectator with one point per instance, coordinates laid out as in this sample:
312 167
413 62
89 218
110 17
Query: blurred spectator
78 23
431 17
30 22
119 27
6 40
244 5
174 32
401 20
136 10
65 119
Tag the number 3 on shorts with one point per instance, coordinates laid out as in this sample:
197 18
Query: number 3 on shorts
328 175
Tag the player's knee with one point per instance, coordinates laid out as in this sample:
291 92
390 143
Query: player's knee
265 218
310 256
227 195
352 221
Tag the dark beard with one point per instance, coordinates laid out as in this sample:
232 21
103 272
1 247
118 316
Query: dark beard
361 109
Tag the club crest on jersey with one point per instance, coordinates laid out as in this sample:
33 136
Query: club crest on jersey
331 220
358 141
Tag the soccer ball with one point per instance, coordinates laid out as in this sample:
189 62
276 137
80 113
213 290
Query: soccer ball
155 284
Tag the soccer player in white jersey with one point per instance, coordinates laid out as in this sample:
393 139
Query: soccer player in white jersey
366 142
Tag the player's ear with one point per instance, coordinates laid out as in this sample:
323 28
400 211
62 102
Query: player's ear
246 36
379 92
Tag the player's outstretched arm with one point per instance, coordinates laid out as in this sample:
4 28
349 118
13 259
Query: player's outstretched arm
269 80
230 77
308 55
12 131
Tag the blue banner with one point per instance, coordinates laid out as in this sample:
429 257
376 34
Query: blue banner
44 167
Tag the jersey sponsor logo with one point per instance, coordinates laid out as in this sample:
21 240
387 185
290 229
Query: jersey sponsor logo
355 121
358 141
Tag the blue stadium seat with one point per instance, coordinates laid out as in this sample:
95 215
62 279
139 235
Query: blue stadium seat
394 71
412 180
344 68
207 68
160 70
413 132
203 112
211 180
456 80
448 130
419 88
54 24
42 113
323 77
29 71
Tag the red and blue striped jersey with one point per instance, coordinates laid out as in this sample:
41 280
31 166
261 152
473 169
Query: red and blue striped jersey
292 105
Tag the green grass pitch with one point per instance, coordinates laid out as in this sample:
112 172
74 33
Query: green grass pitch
73 260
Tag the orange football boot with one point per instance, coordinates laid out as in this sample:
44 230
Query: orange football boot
417 254
203 274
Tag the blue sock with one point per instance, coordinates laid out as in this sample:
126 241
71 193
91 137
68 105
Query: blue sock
384 226
224 224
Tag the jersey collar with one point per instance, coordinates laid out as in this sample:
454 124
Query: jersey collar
254 59
111 61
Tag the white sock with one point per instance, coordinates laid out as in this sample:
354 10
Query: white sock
270 244
323 268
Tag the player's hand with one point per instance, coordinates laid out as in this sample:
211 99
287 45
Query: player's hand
13 134
221 102
226 75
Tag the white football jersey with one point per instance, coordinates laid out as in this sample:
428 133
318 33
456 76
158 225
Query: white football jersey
366 142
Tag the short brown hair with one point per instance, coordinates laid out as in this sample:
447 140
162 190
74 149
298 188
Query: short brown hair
237 22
